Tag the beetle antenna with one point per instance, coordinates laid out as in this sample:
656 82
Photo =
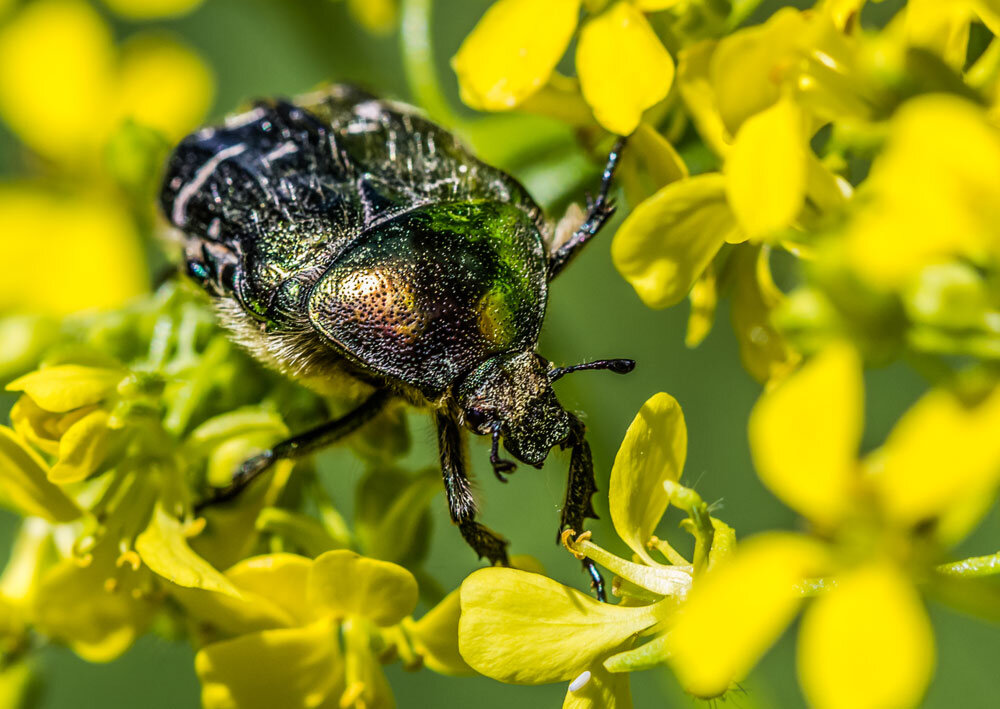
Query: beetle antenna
618 366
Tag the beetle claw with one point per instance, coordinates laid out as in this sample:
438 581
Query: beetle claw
502 467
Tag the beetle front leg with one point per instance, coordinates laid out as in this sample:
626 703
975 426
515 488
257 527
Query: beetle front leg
580 488
461 502
599 210
298 446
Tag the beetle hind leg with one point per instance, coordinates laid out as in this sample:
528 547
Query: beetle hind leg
580 488
298 446
461 502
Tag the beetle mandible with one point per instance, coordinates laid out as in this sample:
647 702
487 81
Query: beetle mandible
348 239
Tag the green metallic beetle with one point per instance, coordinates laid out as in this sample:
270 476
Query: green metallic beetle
349 241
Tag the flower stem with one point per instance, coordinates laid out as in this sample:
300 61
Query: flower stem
975 567
418 61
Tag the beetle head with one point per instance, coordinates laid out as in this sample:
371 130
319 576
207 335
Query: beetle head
512 391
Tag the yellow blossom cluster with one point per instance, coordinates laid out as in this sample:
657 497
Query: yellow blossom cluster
861 160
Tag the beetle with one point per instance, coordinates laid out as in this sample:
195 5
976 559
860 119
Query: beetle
348 241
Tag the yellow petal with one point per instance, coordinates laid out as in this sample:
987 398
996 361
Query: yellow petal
365 684
151 9
506 57
524 628
68 386
164 548
748 68
623 67
766 169
280 578
939 452
77 605
55 74
601 690
763 349
738 609
704 298
653 451
18 678
24 482
928 198
941 27
844 13
663 162
344 584
89 244
378 16
296 667
228 616
435 637
163 85
272 595
694 84
804 435
867 643
669 240
82 448
41 428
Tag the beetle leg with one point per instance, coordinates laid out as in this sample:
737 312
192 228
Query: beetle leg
461 502
580 488
599 210
500 465
298 446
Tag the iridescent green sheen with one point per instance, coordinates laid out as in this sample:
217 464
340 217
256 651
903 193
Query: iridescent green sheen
425 296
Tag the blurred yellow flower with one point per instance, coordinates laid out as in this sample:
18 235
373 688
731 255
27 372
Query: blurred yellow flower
308 633
933 195
65 87
67 251
378 16
622 66
881 524
150 9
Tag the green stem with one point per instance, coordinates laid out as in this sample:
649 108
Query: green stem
742 9
418 61
975 567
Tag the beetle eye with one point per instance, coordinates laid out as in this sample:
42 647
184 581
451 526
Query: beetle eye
476 418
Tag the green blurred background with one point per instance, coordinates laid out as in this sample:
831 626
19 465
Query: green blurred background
282 47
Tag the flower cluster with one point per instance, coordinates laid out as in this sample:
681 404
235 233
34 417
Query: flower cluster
119 433
859 162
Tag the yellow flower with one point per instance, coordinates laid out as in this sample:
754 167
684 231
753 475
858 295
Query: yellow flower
150 9
313 633
523 628
377 16
76 251
933 194
65 87
880 525
665 248
509 56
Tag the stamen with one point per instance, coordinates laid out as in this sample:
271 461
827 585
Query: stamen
663 580
580 682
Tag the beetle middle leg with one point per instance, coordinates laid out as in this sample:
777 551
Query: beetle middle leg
580 488
599 210
297 446
461 502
